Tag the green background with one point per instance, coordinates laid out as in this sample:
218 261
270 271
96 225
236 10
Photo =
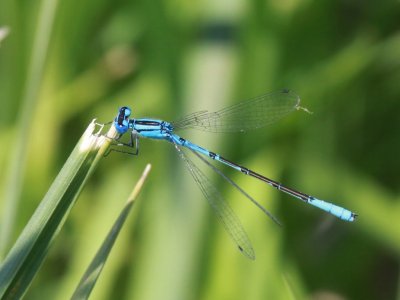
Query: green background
67 62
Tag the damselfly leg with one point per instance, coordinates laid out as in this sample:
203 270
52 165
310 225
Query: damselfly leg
131 148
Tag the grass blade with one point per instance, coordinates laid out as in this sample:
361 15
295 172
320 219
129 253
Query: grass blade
92 273
28 253
34 76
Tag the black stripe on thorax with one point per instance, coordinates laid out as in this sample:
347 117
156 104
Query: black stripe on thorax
150 123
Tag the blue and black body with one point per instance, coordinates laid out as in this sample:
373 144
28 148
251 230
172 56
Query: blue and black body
251 114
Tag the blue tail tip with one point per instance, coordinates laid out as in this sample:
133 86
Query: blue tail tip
354 216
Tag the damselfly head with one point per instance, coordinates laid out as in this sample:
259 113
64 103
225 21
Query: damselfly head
125 112
121 122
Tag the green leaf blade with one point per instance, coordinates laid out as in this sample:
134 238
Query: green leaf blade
28 253
93 272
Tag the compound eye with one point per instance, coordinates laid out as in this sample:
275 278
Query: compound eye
127 112
123 114
121 121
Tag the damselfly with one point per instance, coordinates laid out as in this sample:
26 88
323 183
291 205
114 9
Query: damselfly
251 114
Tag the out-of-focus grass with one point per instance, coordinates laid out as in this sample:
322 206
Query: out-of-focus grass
34 74
92 273
166 59
28 253
4 31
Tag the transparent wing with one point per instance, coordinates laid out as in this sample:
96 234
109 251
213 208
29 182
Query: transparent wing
254 113
223 211
243 192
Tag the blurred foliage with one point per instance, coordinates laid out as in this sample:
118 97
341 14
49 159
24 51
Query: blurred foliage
66 62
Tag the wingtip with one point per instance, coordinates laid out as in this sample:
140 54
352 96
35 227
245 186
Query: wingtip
249 255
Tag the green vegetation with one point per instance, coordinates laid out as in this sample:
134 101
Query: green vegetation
64 63
27 255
